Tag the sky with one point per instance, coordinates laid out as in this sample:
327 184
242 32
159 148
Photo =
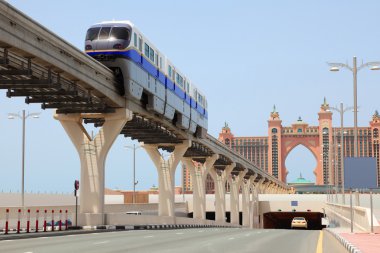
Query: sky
245 56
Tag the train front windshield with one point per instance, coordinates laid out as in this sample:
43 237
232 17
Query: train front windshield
107 37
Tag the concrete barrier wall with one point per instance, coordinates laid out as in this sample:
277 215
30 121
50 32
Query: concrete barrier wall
340 215
127 219
145 209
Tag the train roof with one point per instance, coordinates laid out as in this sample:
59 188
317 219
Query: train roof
124 22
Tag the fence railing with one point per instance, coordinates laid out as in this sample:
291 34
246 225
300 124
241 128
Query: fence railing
19 220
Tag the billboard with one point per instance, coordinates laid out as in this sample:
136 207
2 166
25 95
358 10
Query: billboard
360 172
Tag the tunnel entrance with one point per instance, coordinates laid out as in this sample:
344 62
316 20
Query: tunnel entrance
282 220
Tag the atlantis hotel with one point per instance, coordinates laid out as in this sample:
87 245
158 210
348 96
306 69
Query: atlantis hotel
324 142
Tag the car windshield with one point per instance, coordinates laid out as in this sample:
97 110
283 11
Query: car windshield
92 33
298 218
119 33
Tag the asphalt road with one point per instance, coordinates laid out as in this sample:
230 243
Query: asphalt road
180 241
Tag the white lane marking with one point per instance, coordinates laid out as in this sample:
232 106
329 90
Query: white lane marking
28 252
7 240
148 236
248 234
179 233
231 238
103 242
201 231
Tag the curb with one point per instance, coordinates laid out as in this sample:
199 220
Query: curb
103 229
346 244
147 227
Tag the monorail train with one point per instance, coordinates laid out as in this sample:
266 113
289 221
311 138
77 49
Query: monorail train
147 75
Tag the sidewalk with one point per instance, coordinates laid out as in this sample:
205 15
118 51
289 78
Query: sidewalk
365 242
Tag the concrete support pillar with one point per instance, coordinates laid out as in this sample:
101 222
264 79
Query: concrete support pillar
265 187
235 182
246 207
166 175
259 185
220 178
92 153
256 189
273 188
198 177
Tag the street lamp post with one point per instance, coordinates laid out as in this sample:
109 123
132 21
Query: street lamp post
23 117
354 69
341 111
134 171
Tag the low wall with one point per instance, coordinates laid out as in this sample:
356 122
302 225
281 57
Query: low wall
145 209
126 219
340 216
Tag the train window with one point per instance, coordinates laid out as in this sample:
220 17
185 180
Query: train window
119 33
92 33
151 54
170 71
179 80
160 62
146 50
187 87
156 59
140 44
104 33
135 39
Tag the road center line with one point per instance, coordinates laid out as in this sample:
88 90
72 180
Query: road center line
320 243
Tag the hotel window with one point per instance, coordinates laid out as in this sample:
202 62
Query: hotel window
375 133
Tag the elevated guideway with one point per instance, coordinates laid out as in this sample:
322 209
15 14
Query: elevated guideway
38 65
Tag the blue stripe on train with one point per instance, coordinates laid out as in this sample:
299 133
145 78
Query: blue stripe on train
169 84
151 69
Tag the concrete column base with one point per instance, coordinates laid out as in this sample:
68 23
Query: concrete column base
91 219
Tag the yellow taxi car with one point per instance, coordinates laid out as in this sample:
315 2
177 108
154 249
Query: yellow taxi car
299 222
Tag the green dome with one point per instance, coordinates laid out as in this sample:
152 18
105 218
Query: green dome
301 180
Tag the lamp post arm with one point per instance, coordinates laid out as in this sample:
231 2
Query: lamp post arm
369 64
33 114
340 65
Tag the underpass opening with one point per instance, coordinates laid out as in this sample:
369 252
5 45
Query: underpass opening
283 220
